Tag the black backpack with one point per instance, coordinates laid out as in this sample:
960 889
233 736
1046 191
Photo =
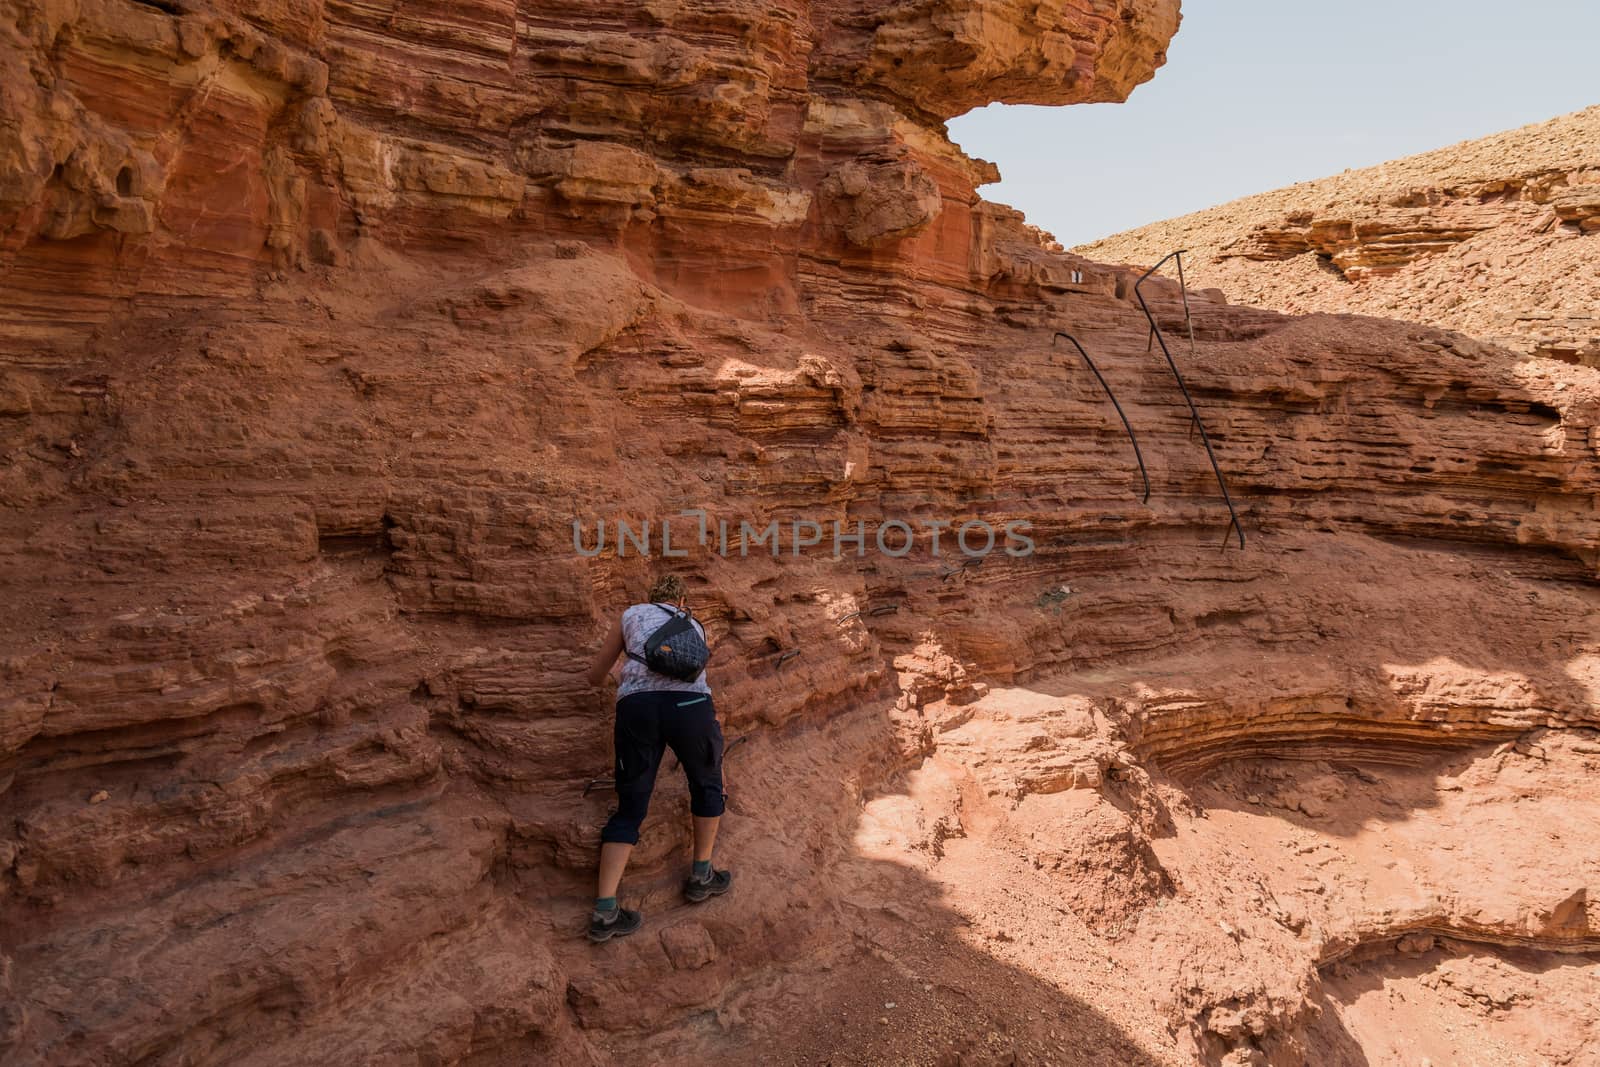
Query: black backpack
675 648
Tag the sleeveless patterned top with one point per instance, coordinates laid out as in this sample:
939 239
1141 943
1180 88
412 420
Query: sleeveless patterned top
638 623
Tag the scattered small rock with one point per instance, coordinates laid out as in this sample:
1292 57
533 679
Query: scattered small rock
1313 806
688 945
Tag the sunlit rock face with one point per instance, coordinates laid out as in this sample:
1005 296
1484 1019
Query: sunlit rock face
946 57
333 333
1498 238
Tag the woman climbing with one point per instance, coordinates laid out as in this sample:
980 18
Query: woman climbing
662 701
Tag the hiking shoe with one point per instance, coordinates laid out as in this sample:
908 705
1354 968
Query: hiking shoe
619 923
712 885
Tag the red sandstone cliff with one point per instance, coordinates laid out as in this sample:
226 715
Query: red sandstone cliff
322 323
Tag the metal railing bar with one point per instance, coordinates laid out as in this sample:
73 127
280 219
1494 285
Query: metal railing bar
1138 455
1234 525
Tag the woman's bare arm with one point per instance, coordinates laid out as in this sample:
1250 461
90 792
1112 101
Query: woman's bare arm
609 651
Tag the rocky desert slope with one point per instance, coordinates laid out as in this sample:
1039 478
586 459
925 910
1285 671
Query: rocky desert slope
1498 238
323 323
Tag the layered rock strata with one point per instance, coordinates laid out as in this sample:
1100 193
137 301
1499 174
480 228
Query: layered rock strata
323 325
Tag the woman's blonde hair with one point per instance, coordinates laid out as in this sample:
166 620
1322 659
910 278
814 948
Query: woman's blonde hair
668 587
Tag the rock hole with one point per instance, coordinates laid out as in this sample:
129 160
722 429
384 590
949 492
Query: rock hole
125 182
1326 264
347 545
263 742
357 543
1224 617
341 660
1546 413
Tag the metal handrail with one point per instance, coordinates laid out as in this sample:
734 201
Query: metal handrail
1234 525
1120 413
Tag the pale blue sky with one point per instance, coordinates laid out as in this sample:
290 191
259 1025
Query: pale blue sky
1257 94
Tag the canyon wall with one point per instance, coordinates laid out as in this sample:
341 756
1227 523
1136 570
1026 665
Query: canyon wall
323 324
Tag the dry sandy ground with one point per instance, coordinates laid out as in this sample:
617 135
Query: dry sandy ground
1030 893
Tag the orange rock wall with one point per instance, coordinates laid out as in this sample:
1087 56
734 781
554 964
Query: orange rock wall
322 323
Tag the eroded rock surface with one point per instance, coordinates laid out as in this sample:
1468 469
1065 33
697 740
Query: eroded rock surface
322 324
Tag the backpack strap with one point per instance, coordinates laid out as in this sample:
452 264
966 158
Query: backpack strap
683 613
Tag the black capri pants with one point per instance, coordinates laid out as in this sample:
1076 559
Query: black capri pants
647 724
